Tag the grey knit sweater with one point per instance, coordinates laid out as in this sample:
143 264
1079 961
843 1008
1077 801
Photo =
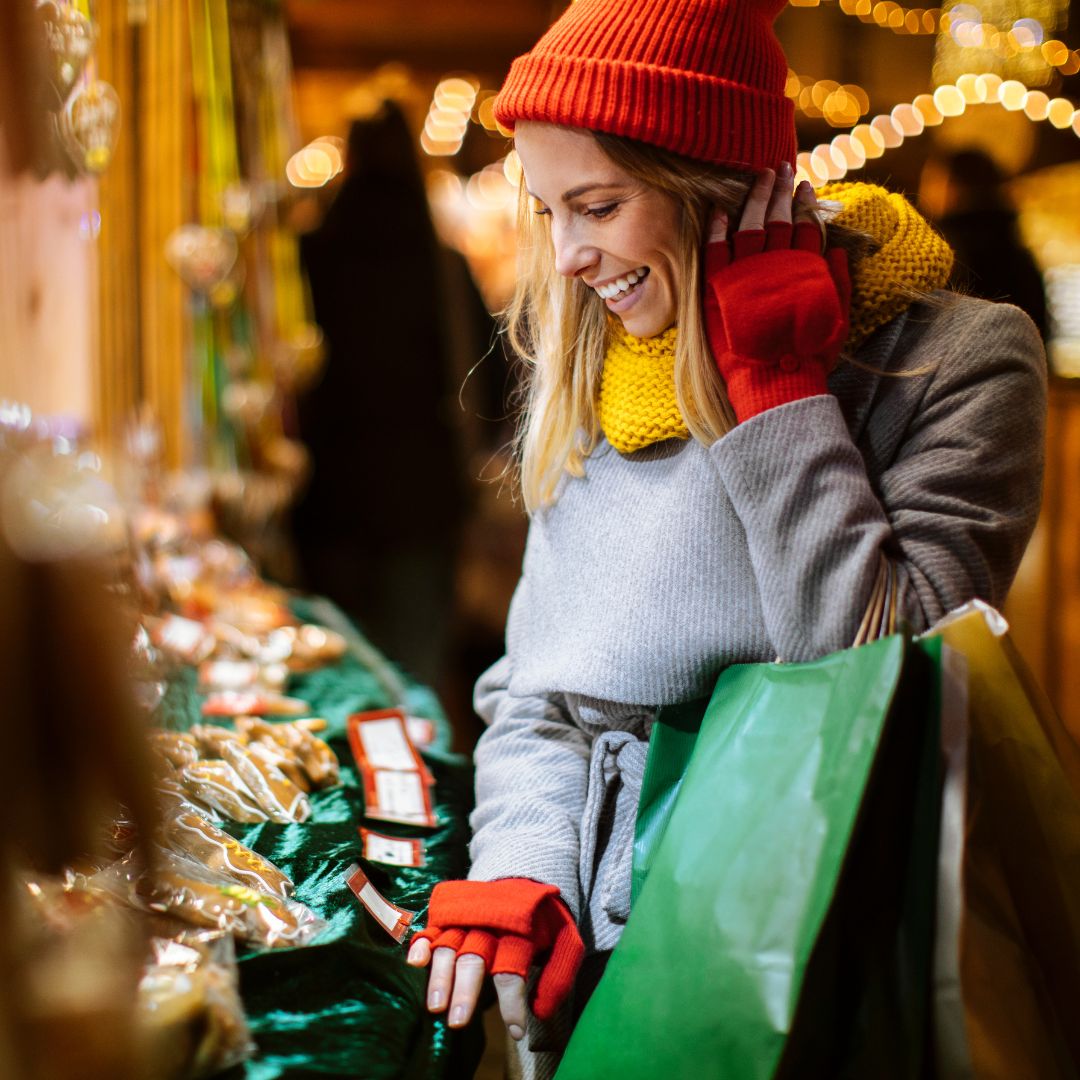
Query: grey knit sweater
656 570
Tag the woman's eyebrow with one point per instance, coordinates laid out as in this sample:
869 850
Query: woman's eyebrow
582 189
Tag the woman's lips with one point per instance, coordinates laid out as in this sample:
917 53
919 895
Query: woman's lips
625 300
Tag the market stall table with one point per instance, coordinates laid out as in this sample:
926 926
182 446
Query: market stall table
348 1005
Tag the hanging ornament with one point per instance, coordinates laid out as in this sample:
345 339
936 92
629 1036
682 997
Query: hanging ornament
202 257
90 126
69 38
247 402
242 205
225 293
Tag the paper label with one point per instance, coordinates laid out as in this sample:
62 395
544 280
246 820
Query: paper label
245 703
397 783
393 919
232 703
390 850
229 674
185 637
400 796
386 746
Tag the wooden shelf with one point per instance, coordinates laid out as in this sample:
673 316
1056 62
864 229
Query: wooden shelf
1044 606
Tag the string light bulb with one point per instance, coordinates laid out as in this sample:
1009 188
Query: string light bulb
846 152
448 115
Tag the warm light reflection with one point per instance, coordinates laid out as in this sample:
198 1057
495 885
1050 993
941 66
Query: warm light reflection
1036 105
949 101
1012 94
512 168
316 164
870 139
1060 112
908 119
448 117
485 112
833 160
841 106
966 27
928 110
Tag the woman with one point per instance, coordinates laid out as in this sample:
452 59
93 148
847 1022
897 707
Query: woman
731 452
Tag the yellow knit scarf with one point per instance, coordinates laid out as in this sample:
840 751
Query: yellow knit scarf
637 405
637 391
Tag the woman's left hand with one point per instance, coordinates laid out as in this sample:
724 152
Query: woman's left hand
504 927
775 306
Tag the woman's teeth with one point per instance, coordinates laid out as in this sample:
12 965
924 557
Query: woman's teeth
614 289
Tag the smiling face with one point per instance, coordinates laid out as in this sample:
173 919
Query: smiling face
615 233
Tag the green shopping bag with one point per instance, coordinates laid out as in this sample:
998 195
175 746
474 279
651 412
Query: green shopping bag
784 880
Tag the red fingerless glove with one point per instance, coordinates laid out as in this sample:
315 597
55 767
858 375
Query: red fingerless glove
776 314
511 924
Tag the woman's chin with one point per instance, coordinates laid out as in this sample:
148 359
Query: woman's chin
644 325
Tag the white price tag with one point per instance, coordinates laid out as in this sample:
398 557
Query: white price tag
400 797
392 851
386 745
394 920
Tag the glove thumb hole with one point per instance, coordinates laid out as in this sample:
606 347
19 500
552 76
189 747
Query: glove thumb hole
717 229
717 256
559 972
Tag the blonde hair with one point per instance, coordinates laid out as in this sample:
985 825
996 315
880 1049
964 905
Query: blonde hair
561 329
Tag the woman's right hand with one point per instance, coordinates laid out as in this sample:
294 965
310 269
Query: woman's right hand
775 305
502 927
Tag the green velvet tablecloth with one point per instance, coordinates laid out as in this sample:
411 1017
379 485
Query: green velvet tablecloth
348 1005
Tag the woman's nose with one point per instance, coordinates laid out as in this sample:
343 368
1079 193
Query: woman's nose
572 255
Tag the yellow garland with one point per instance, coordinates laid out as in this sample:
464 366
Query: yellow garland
637 405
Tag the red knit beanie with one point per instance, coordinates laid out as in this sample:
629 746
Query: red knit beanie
704 78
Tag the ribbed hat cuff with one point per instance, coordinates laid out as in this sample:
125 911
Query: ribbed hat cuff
715 120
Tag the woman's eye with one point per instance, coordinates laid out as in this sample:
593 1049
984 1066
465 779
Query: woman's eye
602 212
541 211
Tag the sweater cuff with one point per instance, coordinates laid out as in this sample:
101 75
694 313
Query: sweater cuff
754 387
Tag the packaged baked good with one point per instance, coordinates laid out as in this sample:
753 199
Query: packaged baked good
210 738
190 1022
258 730
172 797
177 748
186 890
218 785
282 800
316 646
318 762
189 834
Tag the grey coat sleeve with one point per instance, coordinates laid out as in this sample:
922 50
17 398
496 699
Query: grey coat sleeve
532 766
952 509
